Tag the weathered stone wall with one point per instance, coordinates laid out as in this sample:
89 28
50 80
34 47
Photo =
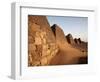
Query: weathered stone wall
41 41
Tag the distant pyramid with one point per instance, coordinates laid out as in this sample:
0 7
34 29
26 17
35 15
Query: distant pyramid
70 39
59 34
77 41
67 54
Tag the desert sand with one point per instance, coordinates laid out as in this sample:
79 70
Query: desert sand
48 45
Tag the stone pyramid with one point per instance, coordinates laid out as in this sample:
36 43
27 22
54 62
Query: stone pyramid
41 41
70 39
48 45
67 54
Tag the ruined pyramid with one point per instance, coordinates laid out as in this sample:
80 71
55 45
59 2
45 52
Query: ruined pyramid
41 41
67 54
48 45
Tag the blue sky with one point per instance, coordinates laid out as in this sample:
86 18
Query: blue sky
77 26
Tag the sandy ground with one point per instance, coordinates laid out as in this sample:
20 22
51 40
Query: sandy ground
69 55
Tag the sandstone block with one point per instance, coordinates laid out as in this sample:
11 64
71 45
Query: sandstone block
44 61
44 53
43 34
36 63
44 40
30 39
33 28
31 47
38 41
48 52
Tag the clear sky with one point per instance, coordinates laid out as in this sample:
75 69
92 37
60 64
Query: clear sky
77 26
